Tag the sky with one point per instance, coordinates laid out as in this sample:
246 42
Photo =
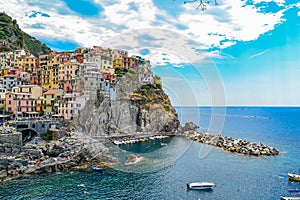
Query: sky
238 52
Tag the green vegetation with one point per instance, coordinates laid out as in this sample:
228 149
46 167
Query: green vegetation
167 108
157 82
14 38
121 72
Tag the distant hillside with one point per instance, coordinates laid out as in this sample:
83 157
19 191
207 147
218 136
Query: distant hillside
12 37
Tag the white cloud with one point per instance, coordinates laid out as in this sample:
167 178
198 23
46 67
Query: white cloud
220 26
241 23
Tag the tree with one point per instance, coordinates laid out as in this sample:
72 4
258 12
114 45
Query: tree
202 4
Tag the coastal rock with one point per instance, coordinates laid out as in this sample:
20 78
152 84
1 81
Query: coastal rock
234 145
54 156
133 159
190 126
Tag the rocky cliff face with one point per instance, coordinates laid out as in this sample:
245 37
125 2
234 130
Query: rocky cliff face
134 110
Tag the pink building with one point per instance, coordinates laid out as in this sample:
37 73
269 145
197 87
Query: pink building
66 72
20 104
22 101
70 105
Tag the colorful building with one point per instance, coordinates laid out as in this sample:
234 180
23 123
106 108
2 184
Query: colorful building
9 81
28 63
106 64
2 98
51 98
22 101
69 106
50 77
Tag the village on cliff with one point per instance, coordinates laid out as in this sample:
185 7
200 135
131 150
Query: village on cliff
58 84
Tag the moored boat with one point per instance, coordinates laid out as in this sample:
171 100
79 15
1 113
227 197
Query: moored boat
97 168
294 176
294 192
200 186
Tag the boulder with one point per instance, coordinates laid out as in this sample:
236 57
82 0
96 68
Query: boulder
190 126
133 159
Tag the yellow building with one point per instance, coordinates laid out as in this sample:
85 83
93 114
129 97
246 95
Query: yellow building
51 98
50 77
4 71
46 77
118 63
47 62
54 76
28 63
106 64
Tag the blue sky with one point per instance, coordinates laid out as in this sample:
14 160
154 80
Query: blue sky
234 53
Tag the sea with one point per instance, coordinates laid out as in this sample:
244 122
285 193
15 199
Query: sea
167 165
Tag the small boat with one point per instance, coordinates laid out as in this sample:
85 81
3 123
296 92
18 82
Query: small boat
290 198
292 191
97 169
200 186
294 176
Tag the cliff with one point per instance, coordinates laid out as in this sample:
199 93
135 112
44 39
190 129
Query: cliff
136 109
12 38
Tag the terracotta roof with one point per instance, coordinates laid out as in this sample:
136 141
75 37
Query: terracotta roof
54 91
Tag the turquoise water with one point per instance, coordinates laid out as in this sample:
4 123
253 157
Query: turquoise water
170 164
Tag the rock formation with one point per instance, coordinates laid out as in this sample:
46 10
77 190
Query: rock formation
136 109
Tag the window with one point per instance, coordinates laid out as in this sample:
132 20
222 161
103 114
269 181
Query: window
9 102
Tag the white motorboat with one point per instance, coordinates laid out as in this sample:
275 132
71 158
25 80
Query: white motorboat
200 186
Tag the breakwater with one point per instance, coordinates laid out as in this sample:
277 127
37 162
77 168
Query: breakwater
131 139
233 144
